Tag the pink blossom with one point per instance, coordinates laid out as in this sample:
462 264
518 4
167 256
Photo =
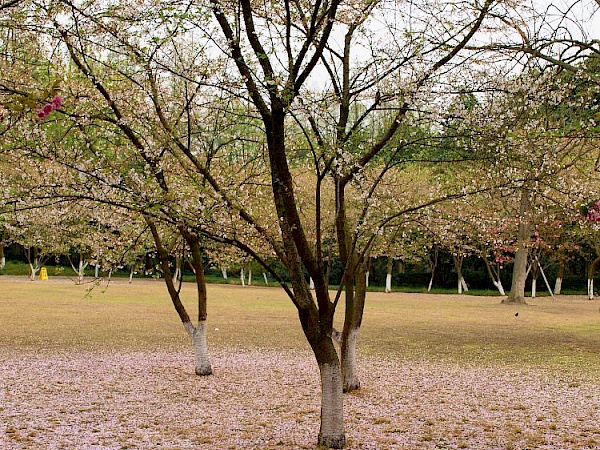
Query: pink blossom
44 112
57 102
41 114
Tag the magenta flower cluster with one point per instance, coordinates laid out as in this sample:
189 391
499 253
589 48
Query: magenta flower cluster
593 214
44 112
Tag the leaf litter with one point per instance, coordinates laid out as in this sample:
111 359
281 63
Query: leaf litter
264 399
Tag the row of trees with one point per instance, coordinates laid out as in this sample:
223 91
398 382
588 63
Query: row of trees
296 132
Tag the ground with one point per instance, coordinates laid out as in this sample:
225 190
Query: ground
61 391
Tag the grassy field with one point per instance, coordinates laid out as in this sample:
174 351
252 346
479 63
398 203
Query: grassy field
539 367
59 314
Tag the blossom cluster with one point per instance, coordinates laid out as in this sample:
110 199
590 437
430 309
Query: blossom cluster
593 214
44 112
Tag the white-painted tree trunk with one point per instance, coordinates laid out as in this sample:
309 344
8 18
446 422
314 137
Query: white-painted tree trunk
200 345
2 262
499 286
97 271
131 273
460 287
266 278
242 276
430 284
331 434
367 278
590 288
557 286
388 283
33 270
81 271
533 288
464 284
178 272
351 381
249 274
224 272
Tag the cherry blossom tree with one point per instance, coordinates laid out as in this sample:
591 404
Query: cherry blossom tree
144 93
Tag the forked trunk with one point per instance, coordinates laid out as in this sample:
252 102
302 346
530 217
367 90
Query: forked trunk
33 270
198 333
462 284
200 346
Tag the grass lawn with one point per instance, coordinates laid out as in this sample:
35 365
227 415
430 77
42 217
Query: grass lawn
111 367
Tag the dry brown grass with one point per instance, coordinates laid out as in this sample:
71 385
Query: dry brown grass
442 328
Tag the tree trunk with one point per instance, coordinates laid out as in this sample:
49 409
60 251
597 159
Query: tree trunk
242 276
224 272
331 433
559 278
250 274
131 270
369 259
499 286
266 278
198 333
388 277
462 284
517 289
534 277
200 345
178 269
2 257
318 330
590 283
433 262
352 324
32 272
199 341
494 275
